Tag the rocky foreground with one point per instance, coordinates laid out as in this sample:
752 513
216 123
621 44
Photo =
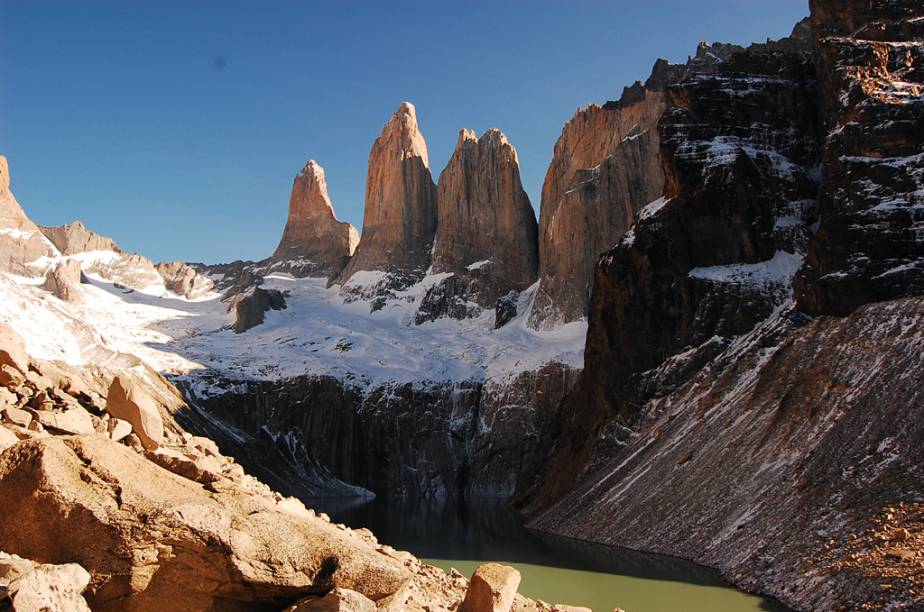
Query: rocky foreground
116 507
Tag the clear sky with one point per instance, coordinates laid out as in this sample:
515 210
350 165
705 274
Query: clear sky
176 127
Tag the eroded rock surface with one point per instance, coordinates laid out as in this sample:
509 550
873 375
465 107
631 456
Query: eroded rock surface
21 242
251 306
64 281
314 243
399 221
184 280
486 227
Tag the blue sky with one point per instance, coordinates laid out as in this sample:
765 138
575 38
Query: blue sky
177 127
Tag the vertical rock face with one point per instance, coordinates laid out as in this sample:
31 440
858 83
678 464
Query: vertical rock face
483 215
314 243
400 212
21 242
870 244
604 168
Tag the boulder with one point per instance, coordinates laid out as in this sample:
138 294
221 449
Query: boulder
492 588
250 307
13 349
129 401
400 210
63 281
7 438
74 421
118 429
50 587
17 416
184 280
314 242
338 600
148 536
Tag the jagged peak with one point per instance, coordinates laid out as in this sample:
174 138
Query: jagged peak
312 168
403 124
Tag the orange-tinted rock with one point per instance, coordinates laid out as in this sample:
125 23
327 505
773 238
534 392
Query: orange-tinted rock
313 239
183 279
74 238
605 167
400 215
21 242
484 217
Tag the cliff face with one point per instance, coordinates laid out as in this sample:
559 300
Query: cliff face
395 439
870 242
484 219
314 243
21 242
715 421
605 167
400 210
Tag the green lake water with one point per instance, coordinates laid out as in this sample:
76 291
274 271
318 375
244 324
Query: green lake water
449 533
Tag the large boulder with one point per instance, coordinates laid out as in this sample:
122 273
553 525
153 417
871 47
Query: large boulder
130 401
251 306
148 536
314 242
63 281
400 212
184 280
492 588
33 587
13 349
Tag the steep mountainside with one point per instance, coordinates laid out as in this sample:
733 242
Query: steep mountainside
715 419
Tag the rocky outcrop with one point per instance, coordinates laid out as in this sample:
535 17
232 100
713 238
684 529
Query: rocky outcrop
33 587
74 238
251 306
184 280
400 210
870 243
486 227
101 256
314 243
21 242
64 281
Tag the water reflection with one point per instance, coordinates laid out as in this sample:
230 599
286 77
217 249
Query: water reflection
464 533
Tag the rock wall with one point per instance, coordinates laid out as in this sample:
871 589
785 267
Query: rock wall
486 227
311 436
870 242
399 219
713 420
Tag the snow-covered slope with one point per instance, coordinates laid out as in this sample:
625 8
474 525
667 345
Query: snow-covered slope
318 333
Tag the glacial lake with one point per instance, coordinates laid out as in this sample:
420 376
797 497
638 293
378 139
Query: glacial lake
450 533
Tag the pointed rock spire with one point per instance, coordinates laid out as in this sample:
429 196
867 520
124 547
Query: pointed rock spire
313 235
22 243
484 216
400 214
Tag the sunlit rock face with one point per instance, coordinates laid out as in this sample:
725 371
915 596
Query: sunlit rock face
314 242
399 221
604 168
484 217
870 242
21 242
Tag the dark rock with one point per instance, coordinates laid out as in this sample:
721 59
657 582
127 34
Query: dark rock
505 309
251 306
